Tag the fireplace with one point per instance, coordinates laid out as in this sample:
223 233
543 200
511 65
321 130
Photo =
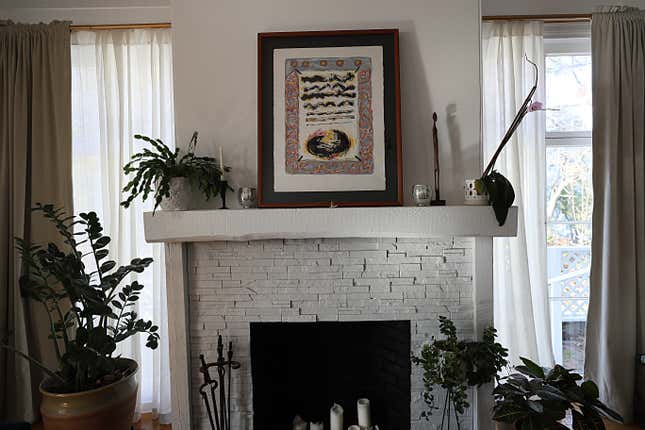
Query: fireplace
304 368
228 270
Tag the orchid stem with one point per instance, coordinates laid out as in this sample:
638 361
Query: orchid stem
521 113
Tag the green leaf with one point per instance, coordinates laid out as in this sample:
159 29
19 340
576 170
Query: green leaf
590 389
608 412
102 242
500 194
532 369
535 406
101 254
107 266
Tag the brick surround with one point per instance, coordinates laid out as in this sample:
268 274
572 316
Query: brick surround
232 284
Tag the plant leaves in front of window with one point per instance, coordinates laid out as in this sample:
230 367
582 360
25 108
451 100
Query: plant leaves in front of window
89 311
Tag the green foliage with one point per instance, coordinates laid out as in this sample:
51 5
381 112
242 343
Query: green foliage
153 170
500 193
89 311
455 365
539 398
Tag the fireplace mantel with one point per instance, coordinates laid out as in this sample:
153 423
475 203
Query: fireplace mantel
176 229
258 224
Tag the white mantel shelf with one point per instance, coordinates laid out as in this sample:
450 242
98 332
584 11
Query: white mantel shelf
258 224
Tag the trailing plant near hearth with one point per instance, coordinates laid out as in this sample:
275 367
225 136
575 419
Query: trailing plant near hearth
455 365
90 310
501 194
539 398
154 169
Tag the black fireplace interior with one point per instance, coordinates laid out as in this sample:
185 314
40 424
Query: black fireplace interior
304 368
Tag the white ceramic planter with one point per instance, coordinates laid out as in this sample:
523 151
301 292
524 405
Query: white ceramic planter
471 196
179 199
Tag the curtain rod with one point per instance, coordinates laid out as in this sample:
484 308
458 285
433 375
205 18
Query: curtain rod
119 26
556 18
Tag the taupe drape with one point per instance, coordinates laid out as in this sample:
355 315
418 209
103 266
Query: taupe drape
35 166
616 321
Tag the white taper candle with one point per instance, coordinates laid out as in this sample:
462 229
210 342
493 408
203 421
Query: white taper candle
221 162
364 414
336 417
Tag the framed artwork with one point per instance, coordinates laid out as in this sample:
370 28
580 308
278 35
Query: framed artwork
329 119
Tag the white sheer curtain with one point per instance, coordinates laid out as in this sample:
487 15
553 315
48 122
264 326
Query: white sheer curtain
121 86
520 288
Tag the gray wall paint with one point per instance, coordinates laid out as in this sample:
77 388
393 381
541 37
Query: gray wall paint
87 11
532 7
215 74
80 4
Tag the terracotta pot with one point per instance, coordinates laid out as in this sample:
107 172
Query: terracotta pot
106 408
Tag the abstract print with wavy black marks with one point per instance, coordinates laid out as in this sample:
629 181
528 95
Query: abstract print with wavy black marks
328 116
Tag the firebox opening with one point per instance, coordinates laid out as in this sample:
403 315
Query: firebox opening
304 368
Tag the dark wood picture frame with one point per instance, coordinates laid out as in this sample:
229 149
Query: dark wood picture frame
389 40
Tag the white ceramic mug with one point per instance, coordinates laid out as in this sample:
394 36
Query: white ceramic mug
471 196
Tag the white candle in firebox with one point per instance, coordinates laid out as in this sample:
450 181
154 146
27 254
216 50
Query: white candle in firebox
336 417
364 416
221 162
316 426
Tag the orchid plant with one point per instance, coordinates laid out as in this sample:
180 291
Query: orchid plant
499 189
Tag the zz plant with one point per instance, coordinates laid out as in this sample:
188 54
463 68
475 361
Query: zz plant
90 310
540 398
455 365
154 168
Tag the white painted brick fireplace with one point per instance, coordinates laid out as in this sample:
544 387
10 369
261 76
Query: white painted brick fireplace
232 284
228 269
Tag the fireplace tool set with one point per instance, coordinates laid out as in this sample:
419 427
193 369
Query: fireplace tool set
219 413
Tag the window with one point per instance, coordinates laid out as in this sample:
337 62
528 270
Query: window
569 196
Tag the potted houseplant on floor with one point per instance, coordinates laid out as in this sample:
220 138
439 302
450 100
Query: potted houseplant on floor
539 398
456 365
167 175
492 188
90 311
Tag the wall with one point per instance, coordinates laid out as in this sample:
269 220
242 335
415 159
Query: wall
532 7
87 11
215 71
232 284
